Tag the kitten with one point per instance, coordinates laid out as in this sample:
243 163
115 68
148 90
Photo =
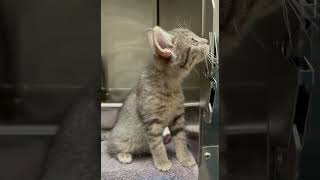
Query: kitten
157 100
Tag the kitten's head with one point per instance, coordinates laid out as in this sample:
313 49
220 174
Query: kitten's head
178 50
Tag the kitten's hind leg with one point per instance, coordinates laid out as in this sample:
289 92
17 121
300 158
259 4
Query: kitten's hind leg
124 158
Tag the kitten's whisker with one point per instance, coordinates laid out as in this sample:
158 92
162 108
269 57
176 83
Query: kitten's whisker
206 61
179 24
204 54
297 6
302 11
196 72
189 23
299 17
184 22
236 27
177 21
287 22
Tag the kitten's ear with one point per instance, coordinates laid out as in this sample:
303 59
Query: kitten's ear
160 41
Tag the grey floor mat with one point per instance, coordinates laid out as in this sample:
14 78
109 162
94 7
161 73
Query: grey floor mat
142 168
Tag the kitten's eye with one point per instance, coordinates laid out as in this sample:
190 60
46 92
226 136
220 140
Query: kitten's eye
194 41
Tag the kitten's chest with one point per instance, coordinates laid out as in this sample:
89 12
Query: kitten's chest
173 106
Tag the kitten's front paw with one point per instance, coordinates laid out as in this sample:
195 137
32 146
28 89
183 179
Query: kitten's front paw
164 165
124 158
187 161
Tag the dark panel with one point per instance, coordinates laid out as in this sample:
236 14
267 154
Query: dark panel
54 51
257 88
310 152
49 62
22 157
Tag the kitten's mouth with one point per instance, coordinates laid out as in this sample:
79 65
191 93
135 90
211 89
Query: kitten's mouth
206 52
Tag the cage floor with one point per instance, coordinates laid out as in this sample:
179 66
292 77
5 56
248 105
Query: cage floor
142 168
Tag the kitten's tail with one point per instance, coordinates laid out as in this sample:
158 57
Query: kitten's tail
111 148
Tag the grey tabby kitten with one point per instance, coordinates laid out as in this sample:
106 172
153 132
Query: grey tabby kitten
157 100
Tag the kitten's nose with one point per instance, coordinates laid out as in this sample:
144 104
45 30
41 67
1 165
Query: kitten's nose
204 40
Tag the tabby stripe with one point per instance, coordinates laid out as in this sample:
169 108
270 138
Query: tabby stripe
177 118
176 131
153 121
154 134
186 59
154 145
188 52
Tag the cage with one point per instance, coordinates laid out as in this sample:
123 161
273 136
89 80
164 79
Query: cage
265 80
124 54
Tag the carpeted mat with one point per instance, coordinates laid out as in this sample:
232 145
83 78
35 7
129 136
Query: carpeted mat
142 168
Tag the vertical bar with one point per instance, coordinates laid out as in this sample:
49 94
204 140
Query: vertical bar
203 14
157 12
209 127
